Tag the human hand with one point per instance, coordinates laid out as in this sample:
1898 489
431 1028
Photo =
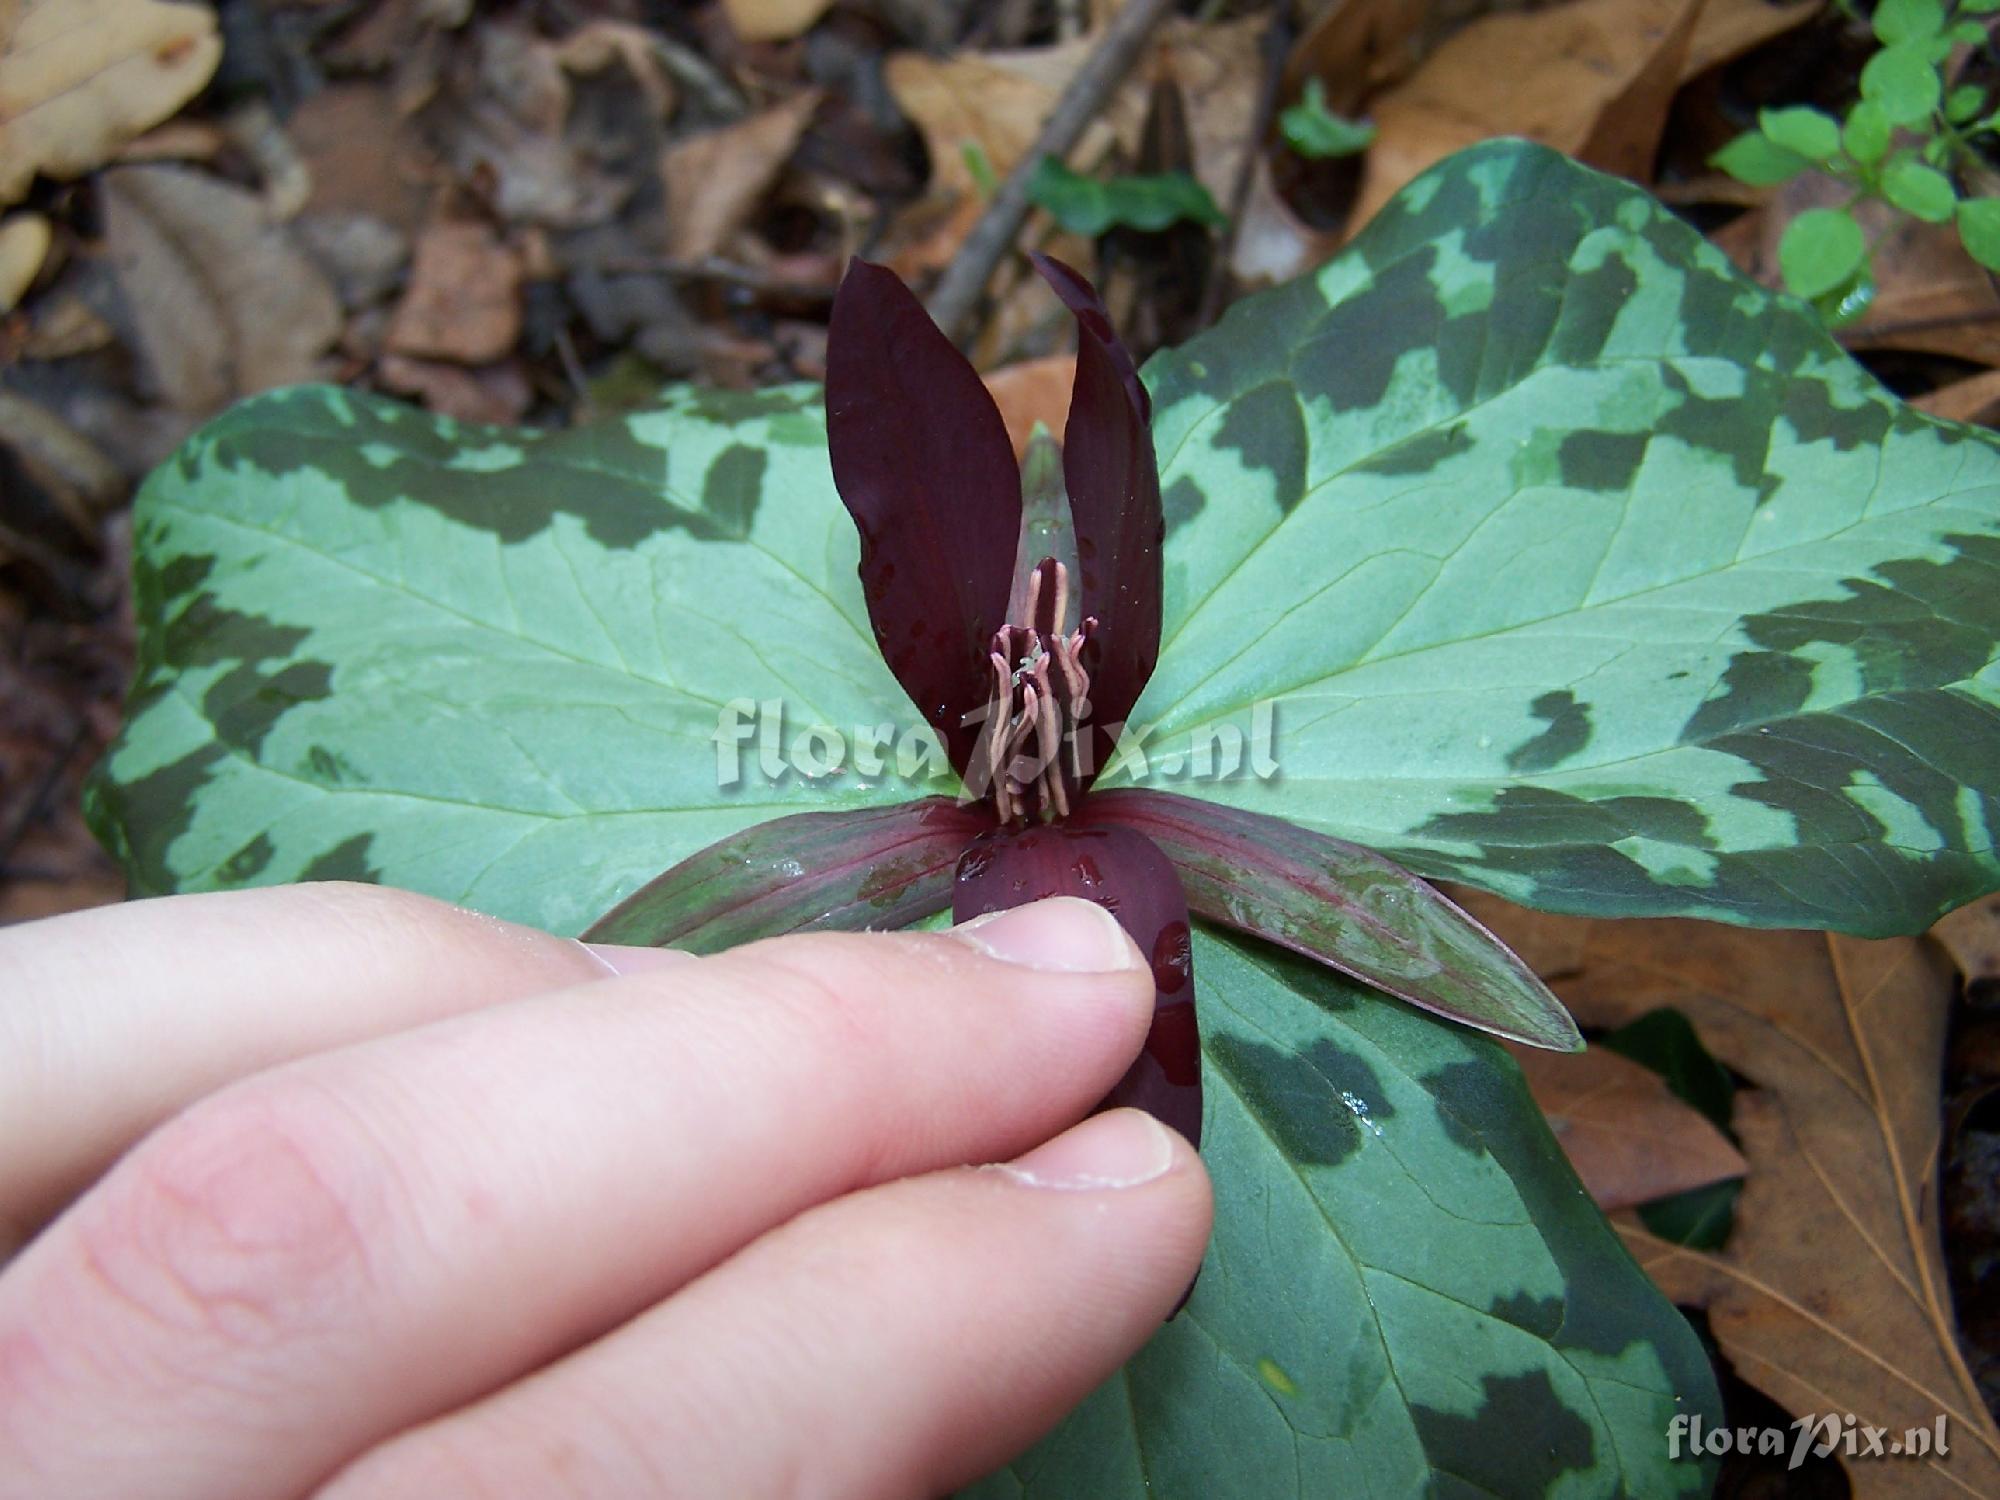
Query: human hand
443 1206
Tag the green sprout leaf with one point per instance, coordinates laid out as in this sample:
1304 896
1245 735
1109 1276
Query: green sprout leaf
1920 191
1316 132
1756 159
1866 133
980 165
1809 132
1979 229
1820 250
1903 81
1908 20
1086 205
1964 103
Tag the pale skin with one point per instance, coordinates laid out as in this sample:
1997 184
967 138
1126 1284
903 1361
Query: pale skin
340 1192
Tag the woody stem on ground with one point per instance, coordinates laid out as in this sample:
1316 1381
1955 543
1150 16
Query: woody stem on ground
959 289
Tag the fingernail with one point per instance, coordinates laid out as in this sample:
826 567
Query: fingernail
622 959
1119 1149
1062 933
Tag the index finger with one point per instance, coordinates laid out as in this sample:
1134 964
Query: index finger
114 1019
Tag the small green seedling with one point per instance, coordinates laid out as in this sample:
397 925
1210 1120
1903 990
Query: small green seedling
1316 132
1149 202
1907 141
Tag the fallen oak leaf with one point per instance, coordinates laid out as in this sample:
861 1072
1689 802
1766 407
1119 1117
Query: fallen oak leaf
773 20
1971 935
463 302
79 78
1973 399
24 245
1621 1127
716 180
1592 78
224 302
1831 1294
1031 391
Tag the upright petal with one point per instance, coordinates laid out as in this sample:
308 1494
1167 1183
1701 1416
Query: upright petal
1114 497
1344 905
1125 874
923 464
880 867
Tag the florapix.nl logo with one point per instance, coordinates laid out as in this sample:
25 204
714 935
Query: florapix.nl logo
758 741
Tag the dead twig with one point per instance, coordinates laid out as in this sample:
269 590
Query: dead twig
1277 47
1878 333
715 268
964 280
712 93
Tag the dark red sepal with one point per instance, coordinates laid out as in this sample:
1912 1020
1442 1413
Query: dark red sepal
1349 907
922 462
879 867
1114 496
1124 873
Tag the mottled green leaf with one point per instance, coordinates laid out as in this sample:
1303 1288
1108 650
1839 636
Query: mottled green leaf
1407 1292
490 665
1579 567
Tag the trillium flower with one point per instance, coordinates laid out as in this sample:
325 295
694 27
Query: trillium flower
1024 630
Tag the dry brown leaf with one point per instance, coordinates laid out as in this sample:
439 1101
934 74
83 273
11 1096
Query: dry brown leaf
1272 242
24 245
716 180
496 394
79 78
595 45
992 101
1621 1127
1971 935
1974 399
1831 1294
225 304
996 102
463 302
1034 390
364 157
1729 28
1357 47
1592 78
511 115
773 20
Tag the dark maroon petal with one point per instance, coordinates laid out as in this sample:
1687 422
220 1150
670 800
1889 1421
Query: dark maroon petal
1114 496
1126 875
922 461
1344 905
881 867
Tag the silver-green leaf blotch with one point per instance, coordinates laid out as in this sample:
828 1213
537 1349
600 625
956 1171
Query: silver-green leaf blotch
1407 1293
1584 569
487 666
